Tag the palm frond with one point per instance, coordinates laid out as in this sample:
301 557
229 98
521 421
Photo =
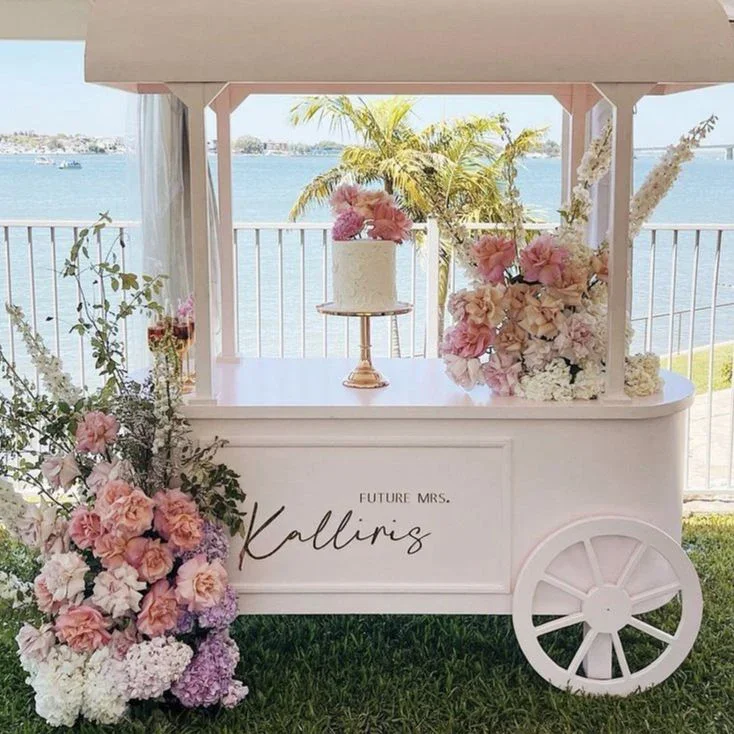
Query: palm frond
318 190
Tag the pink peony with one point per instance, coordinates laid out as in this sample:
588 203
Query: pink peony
577 339
493 254
368 200
109 494
110 549
502 373
543 259
152 559
347 226
389 223
200 584
96 432
344 198
35 644
84 527
169 505
159 612
83 629
130 515
60 471
468 339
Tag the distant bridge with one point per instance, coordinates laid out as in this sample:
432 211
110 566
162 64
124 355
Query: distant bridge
728 147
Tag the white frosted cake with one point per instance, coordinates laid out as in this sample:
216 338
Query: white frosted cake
363 275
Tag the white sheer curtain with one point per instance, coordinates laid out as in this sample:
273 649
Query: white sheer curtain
163 166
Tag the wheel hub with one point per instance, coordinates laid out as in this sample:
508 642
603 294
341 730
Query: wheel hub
607 609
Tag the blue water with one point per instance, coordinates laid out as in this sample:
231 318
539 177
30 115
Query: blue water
264 189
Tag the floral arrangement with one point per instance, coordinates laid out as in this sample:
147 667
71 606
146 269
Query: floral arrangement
128 521
359 211
534 321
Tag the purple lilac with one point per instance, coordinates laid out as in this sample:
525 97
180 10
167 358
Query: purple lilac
214 544
185 622
209 676
220 615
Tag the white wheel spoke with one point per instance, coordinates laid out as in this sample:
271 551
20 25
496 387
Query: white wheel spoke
658 591
564 586
648 629
621 657
593 562
632 563
559 624
588 641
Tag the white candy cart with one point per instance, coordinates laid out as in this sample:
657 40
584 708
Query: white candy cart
419 498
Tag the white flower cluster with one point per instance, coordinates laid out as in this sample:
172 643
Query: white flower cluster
16 592
555 382
167 399
12 507
58 383
641 375
105 688
153 666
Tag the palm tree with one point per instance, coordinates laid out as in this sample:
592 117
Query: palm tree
454 170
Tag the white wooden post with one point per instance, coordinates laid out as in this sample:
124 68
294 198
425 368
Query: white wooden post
433 246
623 97
223 106
601 193
565 156
196 97
576 106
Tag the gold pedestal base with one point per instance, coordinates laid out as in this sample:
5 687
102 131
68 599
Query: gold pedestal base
365 376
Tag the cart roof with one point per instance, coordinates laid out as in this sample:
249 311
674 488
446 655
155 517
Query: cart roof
425 45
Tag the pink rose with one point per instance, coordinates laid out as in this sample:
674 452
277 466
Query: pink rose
83 629
169 505
60 471
389 223
159 612
368 200
493 254
347 226
502 373
110 549
84 527
468 339
151 558
200 584
543 259
96 432
130 515
109 494
186 531
344 198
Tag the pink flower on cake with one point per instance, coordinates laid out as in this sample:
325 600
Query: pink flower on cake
118 591
83 628
96 432
543 260
152 559
60 471
502 373
347 226
389 223
84 527
109 494
200 584
130 515
110 549
344 198
160 610
368 200
468 339
493 255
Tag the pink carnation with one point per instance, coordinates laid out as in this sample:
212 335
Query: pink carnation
84 527
389 223
344 198
200 584
502 373
159 612
96 432
542 260
468 339
83 629
493 254
347 226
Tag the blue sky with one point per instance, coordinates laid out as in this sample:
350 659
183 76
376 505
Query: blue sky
42 89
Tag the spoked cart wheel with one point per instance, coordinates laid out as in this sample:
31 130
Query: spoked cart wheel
603 577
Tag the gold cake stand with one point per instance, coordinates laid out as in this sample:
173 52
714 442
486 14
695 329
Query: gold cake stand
364 375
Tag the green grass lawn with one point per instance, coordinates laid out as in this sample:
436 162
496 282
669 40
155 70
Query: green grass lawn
700 367
454 675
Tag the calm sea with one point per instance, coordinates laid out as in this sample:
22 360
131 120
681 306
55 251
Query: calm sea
264 189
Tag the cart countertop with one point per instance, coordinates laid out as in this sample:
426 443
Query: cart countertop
419 389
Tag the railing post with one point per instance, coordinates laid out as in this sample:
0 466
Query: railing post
433 245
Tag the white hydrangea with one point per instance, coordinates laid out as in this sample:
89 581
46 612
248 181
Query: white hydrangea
153 666
551 383
642 375
589 382
105 688
59 685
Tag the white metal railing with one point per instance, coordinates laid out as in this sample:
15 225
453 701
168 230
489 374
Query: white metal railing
683 304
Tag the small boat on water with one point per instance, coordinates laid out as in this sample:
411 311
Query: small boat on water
67 165
44 161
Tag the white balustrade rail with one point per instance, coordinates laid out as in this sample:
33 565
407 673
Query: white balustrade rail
683 306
